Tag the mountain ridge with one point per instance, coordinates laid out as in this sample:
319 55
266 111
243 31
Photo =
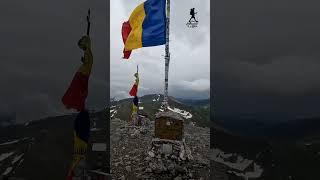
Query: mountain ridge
151 104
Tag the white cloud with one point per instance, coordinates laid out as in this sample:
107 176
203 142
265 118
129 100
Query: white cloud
197 85
189 48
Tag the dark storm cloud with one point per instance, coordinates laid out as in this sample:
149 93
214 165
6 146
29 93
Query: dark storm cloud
266 58
39 54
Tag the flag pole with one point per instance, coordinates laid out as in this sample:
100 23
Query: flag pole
88 21
167 58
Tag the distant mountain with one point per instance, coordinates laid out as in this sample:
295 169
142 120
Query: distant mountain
195 102
296 129
151 104
42 149
287 149
251 127
7 119
39 149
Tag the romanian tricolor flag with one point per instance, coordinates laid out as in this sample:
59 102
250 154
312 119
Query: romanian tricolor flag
146 26
76 94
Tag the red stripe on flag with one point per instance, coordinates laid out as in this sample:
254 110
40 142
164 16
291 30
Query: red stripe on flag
70 176
134 90
126 29
77 92
126 54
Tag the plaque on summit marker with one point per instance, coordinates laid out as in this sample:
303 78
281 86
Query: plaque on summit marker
169 125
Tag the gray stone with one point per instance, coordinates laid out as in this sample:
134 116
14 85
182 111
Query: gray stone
166 149
180 169
159 165
190 175
128 168
151 154
171 166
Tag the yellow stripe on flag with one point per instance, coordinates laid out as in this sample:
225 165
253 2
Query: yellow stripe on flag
79 152
80 146
134 109
86 67
137 81
136 19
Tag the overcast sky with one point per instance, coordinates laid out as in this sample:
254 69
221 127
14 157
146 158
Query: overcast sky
39 55
266 58
189 72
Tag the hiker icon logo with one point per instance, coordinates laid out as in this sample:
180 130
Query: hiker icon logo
193 22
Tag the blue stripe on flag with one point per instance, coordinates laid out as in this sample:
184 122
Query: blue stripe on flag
154 24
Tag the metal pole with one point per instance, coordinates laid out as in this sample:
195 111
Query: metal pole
167 58
88 21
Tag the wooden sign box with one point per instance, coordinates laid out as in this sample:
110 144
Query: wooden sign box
169 125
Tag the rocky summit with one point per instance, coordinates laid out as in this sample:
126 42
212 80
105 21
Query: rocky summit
134 156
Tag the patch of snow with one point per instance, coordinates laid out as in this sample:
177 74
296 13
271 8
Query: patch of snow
113 112
20 162
5 156
102 173
257 171
184 113
17 158
241 163
7 171
94 129
157 98
10 142
192 123
226 156
161 110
